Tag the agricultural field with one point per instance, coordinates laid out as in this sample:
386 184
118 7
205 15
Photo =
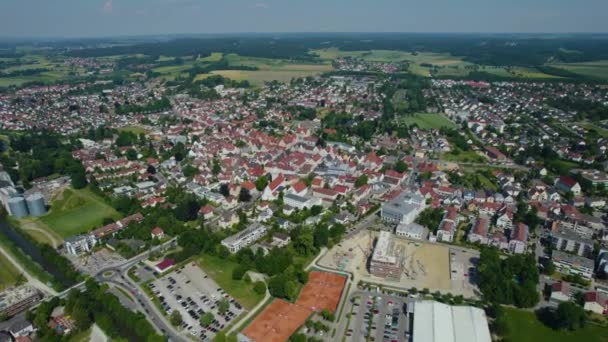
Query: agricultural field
595 69
524 326
56 70
221 272
76 211
133 129
8 273
426 120
214 57
268 69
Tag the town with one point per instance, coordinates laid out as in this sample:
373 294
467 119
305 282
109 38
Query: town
367 205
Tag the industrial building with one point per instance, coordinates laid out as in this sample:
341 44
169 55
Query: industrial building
384 263
14 301
35 204
438 322
403 209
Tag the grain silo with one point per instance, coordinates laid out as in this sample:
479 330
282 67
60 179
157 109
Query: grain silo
35 204
17 207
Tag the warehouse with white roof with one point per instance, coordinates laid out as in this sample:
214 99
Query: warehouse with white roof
438 322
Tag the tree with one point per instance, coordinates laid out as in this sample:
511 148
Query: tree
361 181
239 271
206 319
321 236
570 316
328 315
176 318
261 183
259 287
400 166
244 195
79 180
131 154
223 306
224 190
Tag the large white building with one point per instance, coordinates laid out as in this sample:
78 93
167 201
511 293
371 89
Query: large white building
403 208
244 238
300 202
79 244
438 322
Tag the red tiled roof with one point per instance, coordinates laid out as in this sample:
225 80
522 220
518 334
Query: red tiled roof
163 265
276 182
157 231
299 186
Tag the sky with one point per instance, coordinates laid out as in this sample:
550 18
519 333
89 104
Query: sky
103 18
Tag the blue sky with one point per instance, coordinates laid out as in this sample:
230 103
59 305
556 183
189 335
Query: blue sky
80 18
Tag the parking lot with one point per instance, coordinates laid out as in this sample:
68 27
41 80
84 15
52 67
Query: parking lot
193 293
463 264
378 316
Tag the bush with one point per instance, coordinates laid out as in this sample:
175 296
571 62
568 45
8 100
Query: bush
259 287
238 272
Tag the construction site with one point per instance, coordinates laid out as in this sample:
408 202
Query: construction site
383 258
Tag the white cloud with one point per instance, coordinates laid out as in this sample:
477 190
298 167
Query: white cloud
107 7
261 5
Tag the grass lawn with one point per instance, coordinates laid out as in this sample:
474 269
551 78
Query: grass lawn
77 211
463 156
133 129
82 336
221 271
523 326
8 273
426 120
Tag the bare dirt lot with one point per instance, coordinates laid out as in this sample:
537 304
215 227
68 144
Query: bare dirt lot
425 265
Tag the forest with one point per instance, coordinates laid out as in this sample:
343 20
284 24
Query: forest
504 50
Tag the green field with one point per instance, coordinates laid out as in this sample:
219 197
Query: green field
57 70
221 271
426 120
133 129
595 69
523 326
268 69
77 211
464 156
8 273
214 57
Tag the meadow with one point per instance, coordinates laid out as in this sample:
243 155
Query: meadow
77 211
523 326
8 273
57 70
426 120
220 270
594 69
267 69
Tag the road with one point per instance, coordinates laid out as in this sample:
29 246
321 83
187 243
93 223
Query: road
30 279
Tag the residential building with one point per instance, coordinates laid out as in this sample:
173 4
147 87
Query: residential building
560 292
568 241
411 231
479 232
573 264
300 202
519 239
79 244
448 225
596 301
244 238
567 183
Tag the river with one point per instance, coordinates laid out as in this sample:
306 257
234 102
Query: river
30 249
